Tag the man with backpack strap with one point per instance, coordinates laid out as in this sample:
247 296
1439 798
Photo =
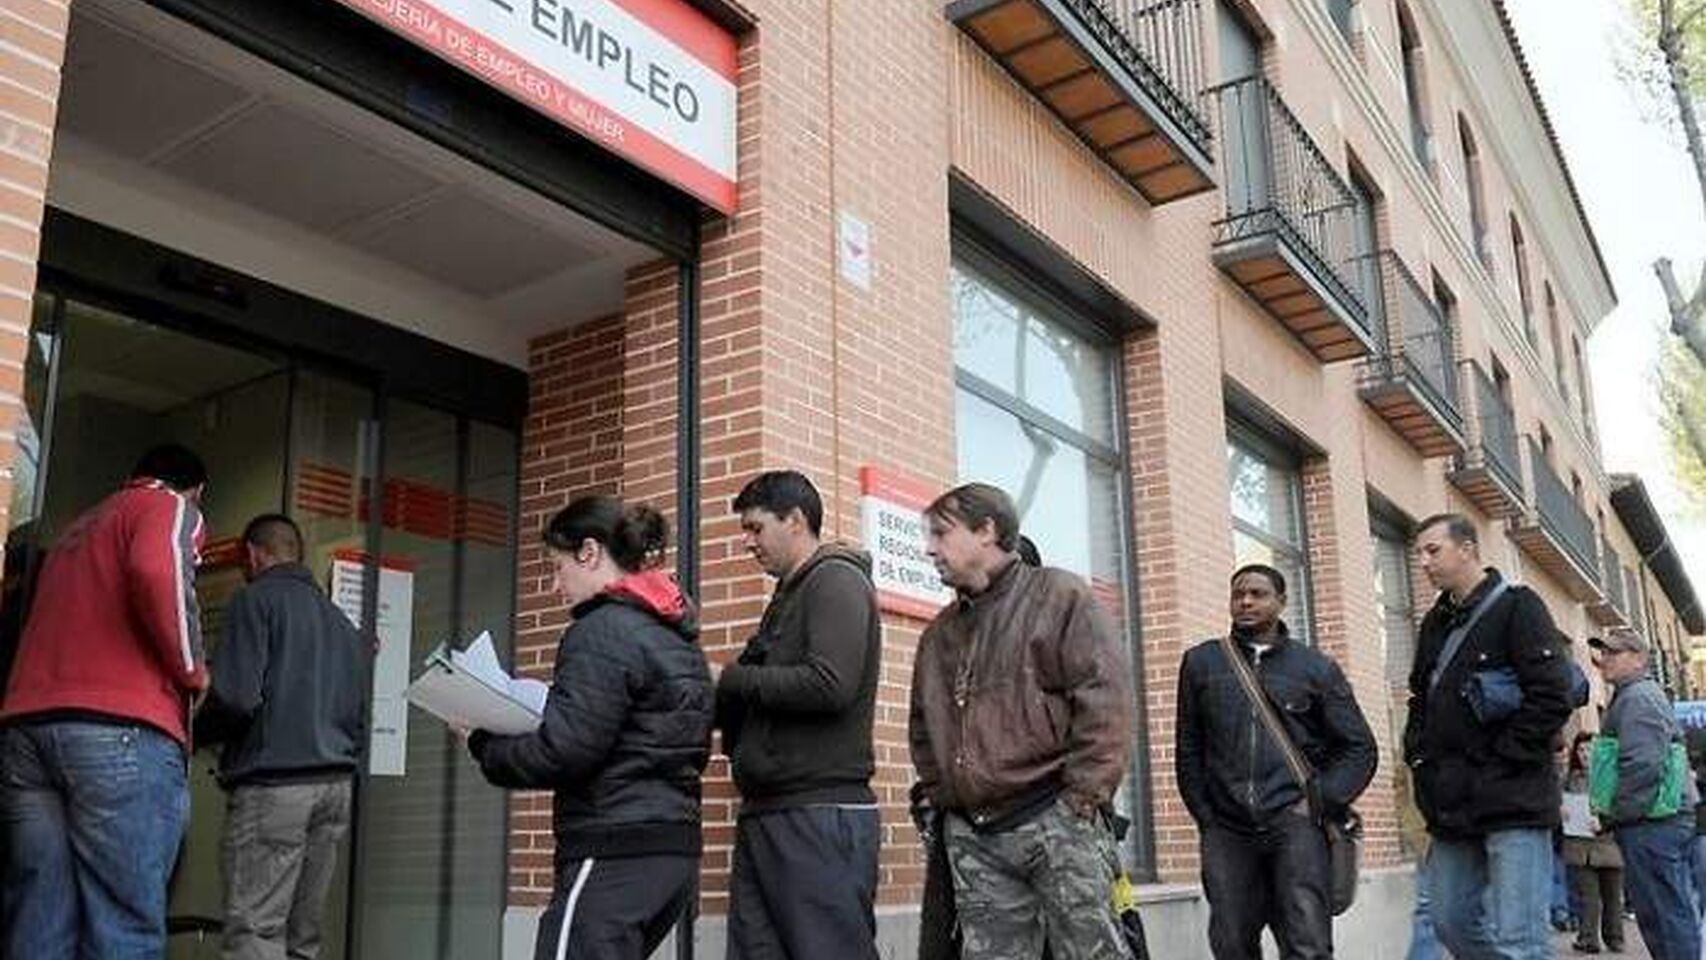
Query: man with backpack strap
1265 857
1485 779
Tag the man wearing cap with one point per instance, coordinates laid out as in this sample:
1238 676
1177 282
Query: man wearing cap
1655 840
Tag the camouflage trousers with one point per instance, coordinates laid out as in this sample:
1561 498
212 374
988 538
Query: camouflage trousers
1051 877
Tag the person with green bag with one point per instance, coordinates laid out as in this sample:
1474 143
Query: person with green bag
1639 785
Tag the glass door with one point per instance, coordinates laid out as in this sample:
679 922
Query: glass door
407 513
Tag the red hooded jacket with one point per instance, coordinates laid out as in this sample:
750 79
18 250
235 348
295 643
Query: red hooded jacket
114 629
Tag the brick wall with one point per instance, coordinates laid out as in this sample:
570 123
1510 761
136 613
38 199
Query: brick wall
32 48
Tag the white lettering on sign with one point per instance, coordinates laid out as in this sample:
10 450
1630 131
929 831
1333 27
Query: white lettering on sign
654 81
895 535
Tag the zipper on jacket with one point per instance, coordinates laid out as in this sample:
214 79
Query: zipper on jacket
1255 731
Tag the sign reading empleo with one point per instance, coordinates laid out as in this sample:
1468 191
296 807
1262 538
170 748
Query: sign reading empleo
652 80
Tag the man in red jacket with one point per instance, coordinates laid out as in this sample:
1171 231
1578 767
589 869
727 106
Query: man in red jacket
94 726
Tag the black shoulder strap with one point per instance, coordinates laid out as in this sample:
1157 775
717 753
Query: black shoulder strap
1454 639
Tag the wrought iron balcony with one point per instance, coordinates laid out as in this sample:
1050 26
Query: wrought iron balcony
1614 610
1489 471
1558 533
1637 608
1122 74
1411 379
1289 234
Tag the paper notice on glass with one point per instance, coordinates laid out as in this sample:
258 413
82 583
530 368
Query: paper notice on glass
1578 818
469 688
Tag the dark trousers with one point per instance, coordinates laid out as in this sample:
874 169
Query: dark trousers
615 909
804 885
1599 898
1275 877
1658 866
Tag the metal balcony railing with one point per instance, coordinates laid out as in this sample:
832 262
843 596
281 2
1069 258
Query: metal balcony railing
1167 35
1561 515
1495 428
1277 180
1612 575
1410 333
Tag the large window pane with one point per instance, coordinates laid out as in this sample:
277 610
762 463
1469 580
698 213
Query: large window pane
1396 605
1032 357
1041 426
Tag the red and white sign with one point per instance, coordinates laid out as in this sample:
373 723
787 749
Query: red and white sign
652 80
892 510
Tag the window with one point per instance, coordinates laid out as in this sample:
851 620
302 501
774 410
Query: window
1245 152
1267 517
1582 383
1037 414
1546 445
1524 291
1555 332
1394 598
1343 13
1367 253
1415 96
1476 190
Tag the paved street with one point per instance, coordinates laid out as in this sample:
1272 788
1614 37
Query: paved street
1633 949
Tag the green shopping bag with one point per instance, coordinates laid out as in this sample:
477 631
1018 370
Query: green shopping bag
1603 779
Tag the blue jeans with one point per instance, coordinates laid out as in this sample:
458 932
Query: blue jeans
92 815
1658 868
1491 897
1424 939
1700 873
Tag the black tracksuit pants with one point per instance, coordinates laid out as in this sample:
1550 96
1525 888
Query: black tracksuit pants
615 909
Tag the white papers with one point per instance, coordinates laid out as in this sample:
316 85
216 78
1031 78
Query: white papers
469 688
1578 819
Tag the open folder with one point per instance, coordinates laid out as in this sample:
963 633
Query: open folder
469 688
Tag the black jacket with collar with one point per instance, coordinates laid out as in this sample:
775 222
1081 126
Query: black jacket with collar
1231 772
1472 779
626 731
287 680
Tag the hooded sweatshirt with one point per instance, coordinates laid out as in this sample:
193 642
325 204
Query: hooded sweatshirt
796 709
627 727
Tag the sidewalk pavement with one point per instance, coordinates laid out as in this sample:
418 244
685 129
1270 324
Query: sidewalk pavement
1633 948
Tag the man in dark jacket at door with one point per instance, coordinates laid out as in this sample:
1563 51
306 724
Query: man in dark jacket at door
1020 732
1264 854
1487 785
286 704
796 711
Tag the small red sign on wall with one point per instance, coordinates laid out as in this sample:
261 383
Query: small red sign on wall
891 509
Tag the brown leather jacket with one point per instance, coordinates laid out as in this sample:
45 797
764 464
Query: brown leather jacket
1021 693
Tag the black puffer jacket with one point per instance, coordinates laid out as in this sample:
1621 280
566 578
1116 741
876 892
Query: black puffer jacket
1231 772
627 727
1473 779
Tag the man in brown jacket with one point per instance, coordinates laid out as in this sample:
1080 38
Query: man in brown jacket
1020 726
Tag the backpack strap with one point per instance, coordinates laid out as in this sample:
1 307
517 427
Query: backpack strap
1454 639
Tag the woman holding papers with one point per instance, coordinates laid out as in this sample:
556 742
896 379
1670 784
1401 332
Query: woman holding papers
1591 859
624 738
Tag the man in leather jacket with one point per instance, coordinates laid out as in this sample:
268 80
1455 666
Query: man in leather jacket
1264 854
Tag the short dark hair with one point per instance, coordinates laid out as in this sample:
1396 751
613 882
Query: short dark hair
276 535
635 535
1028 552
1275 578
1458 527
781 492
173 464
975 504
